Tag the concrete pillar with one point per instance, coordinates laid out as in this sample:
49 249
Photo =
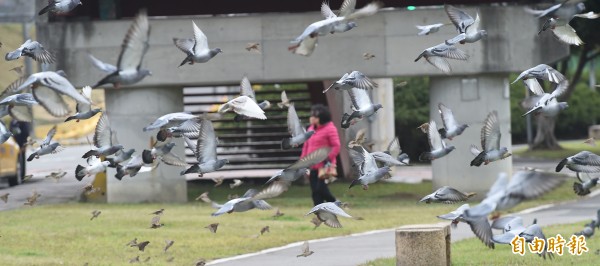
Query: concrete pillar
470 98
380 127
423 244
129 110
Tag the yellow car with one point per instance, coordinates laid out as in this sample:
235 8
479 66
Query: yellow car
10 162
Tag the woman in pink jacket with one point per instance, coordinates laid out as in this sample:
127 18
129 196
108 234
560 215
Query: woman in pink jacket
326 135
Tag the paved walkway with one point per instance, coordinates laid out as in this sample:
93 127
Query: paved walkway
360 248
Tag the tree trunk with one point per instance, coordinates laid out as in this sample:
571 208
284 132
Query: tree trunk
544 137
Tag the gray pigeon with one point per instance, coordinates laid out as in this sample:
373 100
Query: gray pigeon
84 111
541 71
588 230
60 6
438 147
103 139
551 11
327 213
282 180
584 162
46 147
31 49
490 141
133 167
54 81
395 151
242 204
189 128
547 104
454 214
295 128
472 34
362 107
306 42
205 151
5 134
169 120
246 90
533 231
163 152
196 48
354 79
459 18
346 9
134 47
524 185
18 112
451 127
436 55
447 195
22 99
368 170
479 226
583 189
120 156
429 29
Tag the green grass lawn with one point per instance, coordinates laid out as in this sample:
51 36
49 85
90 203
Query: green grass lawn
63 234
472 252
570 147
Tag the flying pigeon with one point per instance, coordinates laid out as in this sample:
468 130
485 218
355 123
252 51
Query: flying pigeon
246 90
490 142
327 213
295 128
451 127
32 49
362 107
436 55
306 42
429 29
471 35
134 47
245 203
46 147
205 150
447 195
95 166
84 111
459 18
547 105
285 102
189 128
564 32
60 6
243 105
541 71
103 139
196 48
583 188
354 79
163 152
438 147
169 120
585 162
368 170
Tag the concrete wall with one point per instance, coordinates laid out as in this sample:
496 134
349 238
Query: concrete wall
390 35
471 99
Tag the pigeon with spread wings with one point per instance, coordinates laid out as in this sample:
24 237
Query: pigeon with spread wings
103 139
490 142
295 128
196 48
134 47
46 147
205 150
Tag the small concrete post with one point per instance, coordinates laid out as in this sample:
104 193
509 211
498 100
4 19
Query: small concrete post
423 244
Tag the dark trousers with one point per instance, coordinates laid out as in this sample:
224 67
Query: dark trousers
320 191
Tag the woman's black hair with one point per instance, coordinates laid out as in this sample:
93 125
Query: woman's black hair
322 112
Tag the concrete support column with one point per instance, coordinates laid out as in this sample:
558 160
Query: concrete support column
470 98
129 110
423 244
380 127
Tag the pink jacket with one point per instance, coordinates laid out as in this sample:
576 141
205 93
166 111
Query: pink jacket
325 136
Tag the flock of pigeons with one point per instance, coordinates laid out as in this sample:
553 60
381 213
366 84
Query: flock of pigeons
48 88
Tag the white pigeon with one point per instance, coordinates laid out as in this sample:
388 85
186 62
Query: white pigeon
429 29
95 166
170 120
243 105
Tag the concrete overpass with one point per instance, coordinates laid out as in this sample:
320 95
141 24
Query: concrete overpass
475 87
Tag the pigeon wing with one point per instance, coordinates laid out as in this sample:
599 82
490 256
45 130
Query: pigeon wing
206 147
447 117
490 132
293 122
108 68
201 42
311 159
567 35
135 44
246 89
102 133
51 100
